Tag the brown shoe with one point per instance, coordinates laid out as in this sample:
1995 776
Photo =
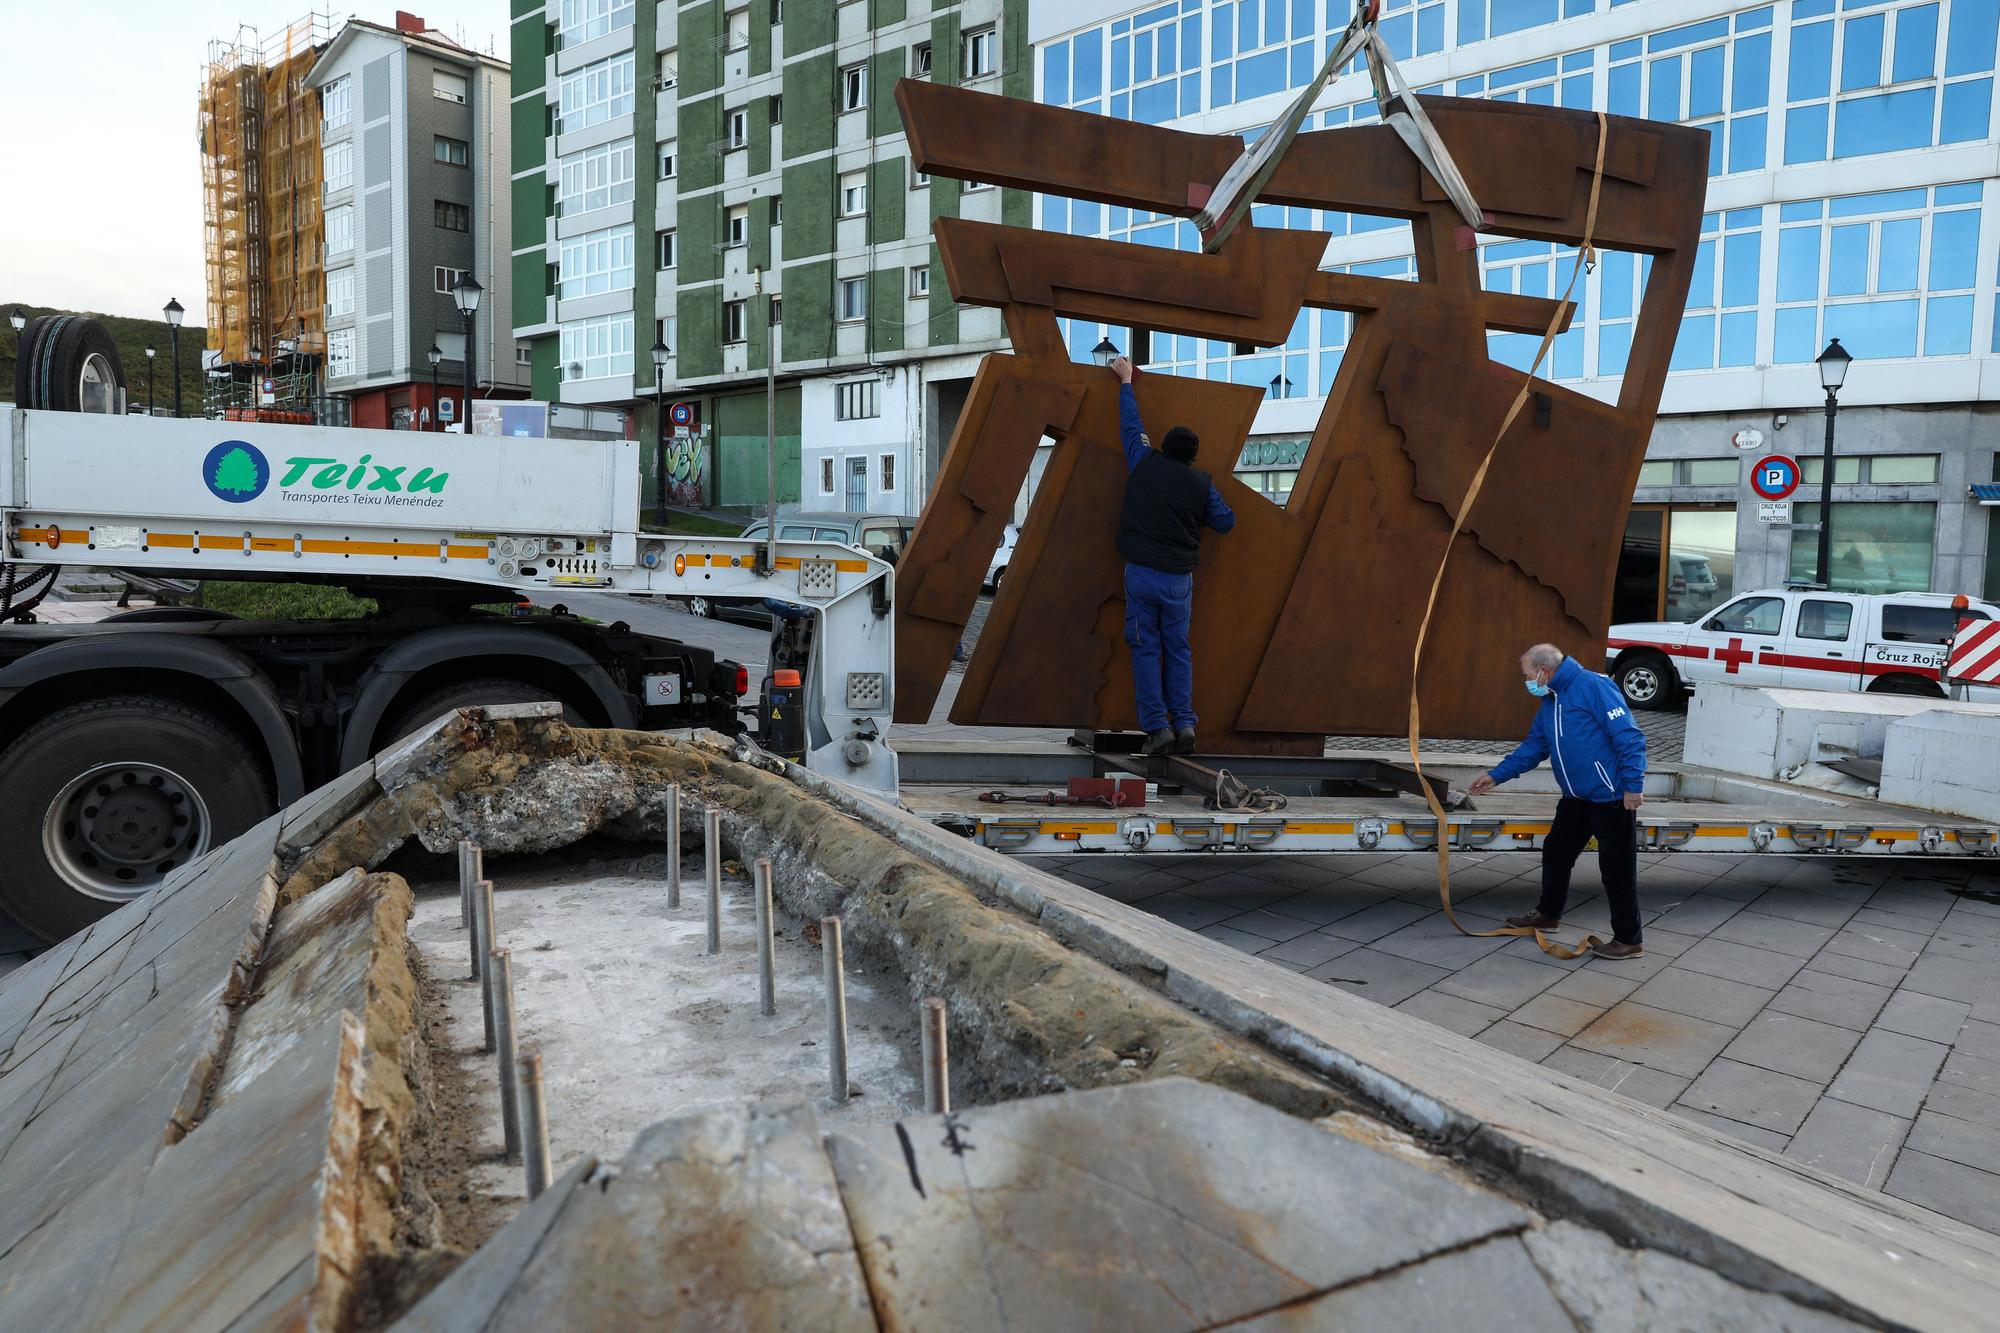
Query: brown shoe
1616 949
1534 921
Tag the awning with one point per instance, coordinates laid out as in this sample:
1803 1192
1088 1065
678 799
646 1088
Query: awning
1986 492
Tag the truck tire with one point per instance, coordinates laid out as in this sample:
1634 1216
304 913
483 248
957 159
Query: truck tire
1647 680
98 802
69 364
470 694
1910 685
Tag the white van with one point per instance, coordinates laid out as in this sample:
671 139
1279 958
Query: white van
1800 639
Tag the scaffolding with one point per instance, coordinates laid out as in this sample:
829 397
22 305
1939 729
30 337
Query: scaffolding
263 227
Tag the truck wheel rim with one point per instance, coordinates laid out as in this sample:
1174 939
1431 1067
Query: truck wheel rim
115 831
1641 683
96 385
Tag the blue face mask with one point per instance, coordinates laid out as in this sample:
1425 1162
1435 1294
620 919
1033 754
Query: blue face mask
1536 688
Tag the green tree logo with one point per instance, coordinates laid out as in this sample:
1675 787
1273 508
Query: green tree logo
236 471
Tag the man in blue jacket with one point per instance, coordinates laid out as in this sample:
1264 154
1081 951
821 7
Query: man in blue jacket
1167 500
1599 756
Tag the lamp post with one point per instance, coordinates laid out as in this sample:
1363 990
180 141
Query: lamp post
434 355
1280 386
1832 374
660 354
465 294
175 312
150 354
1105 352
17 319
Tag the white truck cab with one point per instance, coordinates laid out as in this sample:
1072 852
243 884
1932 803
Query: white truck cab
1800 638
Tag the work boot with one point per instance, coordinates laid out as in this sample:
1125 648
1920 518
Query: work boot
1618 949
1183 740
1158 742
1534 921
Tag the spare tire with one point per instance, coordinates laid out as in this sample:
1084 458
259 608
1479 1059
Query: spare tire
68 363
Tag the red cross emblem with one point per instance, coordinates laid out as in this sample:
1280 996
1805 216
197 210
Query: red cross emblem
1734 655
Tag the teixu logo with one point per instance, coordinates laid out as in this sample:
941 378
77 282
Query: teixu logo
236 471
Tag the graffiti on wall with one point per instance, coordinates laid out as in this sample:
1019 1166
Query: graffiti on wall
686 479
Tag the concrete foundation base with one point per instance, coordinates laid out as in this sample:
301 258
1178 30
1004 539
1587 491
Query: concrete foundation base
1947 761
1773 733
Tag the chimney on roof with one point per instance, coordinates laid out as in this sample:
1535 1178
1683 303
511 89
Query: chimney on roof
408 22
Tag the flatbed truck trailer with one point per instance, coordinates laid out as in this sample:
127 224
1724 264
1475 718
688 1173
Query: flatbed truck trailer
134 745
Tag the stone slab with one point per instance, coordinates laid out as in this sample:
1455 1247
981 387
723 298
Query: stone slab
1889 1072
470 1298
1777 1102
1826 997
1951 1188
1682 991
1503 981
321 812
1915 1014
1954 1140
1493 1286
1740 962
1196 1206
1657 1038
1853 1142
1620 1076
1791 1045
1453 1013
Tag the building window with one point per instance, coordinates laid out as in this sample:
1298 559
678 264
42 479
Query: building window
777 210
888 472
597 262
597 348
663 249
739 30
853 87
451 152
669 77
854 194
595 178
667 331
857 400
777 11
1877 547
919 179
738 232
337 162
920 60
826 476
982 52
777 311
597 93
1874 470
449 86
970 186
853 300
667 161
523 355
337 104
777 109
339 292
920 281
340 229
340 353
1875 82
452 217
735 321
736 126
583 20
444 279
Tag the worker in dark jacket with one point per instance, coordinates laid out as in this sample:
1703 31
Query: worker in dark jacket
1599 756
1167 500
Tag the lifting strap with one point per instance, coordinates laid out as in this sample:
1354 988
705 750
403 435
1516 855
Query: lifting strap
1586 255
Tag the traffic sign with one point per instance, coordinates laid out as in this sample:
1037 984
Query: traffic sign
446 409
1774 477
1775 511
681 414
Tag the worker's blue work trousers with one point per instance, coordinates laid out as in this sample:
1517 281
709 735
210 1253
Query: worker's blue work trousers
1157 607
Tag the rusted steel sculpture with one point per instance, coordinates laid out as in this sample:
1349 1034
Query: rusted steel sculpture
1306 614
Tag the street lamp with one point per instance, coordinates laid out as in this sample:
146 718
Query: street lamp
150 354
1280 386
434 355
1832 365
17 319
1104 352
175 312
465 294
660 354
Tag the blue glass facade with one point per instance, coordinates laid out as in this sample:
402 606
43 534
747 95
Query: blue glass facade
1839 210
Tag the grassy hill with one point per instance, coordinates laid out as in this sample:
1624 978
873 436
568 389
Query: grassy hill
132 337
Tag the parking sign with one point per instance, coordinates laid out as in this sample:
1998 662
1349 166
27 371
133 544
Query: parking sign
1774 477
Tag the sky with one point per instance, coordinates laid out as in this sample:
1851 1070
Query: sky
100 166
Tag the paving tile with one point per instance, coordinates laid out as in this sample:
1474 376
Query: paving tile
1760 1097
1971 1072
1381 977
1239 895
1916 929
1963 1141
1715 999
1323 907
1873 944
1791 1045
1531 1044
1309 950
1915 1014
1552 1013
1757 871
1434 941
1241 940
1829 998
1641 1084
1780 934
1372 923
1951 1188
1962 1103
1657 1038
1735 1129
1186 911
1599 986
1500 980
1271 926
1741 962
1902 901
1980 1040
1889 1072
1797 905
1950 942
1949 979
1699 915
1454 1013
1853 1142
1884 975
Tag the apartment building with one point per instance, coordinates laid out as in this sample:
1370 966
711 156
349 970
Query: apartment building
414 134
729 179
1852 165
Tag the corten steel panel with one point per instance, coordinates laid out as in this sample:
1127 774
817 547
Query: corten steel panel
1305 615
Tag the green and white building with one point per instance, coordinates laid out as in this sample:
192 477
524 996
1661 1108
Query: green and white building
730 178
